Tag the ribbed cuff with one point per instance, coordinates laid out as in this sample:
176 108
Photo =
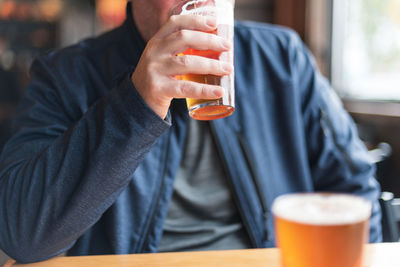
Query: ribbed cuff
135 106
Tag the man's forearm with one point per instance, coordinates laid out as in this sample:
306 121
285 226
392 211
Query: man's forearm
53 189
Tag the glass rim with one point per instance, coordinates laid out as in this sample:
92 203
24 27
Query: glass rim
361 205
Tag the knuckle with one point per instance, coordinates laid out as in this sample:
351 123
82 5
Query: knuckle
182 60
184 89
173 19
182 35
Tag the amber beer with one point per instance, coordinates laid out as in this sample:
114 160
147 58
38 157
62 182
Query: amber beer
211 109
321 230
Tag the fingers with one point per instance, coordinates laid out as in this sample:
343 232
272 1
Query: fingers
188 89
180 65
190 31
189 22
154 75
182 40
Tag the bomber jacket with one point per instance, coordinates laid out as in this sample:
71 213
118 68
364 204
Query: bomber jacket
90 168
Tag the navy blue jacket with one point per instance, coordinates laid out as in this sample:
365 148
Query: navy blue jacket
90 168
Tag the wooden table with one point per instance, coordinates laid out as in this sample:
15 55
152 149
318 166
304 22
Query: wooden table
378 255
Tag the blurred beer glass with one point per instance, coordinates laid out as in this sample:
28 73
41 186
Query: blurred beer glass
223 10
321 230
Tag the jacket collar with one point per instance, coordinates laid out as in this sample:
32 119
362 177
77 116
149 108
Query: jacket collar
138 43
128 49
135 46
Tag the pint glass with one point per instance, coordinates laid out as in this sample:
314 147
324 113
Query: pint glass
321 230
206 109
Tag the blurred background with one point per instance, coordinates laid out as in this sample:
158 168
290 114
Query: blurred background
356 44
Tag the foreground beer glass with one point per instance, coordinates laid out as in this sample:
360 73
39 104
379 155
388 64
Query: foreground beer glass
206 109
321 230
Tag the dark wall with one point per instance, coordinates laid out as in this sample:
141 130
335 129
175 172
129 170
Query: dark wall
377 128
259 10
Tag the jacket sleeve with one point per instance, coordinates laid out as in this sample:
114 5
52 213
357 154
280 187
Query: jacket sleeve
338 159
57 176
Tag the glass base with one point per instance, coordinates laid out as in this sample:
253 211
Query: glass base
210 111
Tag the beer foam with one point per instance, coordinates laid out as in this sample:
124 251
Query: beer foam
322 209
223 10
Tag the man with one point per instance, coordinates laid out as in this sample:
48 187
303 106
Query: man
99 142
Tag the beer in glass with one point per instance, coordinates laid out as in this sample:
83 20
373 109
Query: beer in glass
321 230
211 109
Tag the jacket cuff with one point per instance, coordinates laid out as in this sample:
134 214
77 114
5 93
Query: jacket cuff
136 107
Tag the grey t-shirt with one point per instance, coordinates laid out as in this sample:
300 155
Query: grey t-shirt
202 214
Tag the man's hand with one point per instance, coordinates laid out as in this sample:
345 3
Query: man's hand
154 76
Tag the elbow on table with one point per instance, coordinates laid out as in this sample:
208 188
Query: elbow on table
27 255
30 252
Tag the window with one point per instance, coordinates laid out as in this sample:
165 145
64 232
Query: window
366 49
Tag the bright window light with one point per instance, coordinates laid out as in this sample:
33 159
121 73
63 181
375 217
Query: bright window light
366 49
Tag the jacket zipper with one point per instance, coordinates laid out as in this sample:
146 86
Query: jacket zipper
256 179
153 215
230 182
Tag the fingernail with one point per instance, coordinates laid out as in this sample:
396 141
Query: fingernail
227 67
211 22
218 92
226 44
